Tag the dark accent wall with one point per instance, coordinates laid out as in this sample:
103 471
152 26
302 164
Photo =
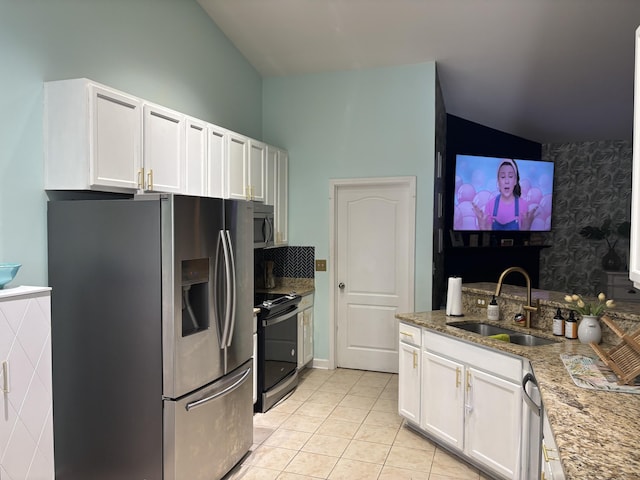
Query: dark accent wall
439 194
470 138
466 137
592 182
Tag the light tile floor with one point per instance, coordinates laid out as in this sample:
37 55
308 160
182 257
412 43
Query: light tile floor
343 424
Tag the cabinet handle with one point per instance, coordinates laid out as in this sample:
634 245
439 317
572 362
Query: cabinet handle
5 377
140 178
545 453
150 179
406 334
415 360
468 380
247 192
457 377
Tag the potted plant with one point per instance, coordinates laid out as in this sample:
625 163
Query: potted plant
589 329
611 234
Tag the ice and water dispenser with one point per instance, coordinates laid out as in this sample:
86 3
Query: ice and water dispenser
195 296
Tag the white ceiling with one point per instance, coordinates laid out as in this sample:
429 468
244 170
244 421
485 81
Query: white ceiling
547 70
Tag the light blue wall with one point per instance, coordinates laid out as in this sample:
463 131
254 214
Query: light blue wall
366 123
165 51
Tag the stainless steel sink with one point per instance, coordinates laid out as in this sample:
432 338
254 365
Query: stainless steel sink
516 337
529 340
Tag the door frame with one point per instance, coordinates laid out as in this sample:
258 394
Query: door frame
334 186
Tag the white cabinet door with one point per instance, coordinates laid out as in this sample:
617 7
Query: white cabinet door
409 381
196 157
217 154
92 137
493 422
305 330
281 208
443 385
634 256
26 421
307 336
115 138
257 164
164 133
237 171
552 467
270 178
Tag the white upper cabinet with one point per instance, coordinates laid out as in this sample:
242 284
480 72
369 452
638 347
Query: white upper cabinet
237 167
270 179
98 138
257 163
164 149
217 153
196 157
634 257
92 137
277 191
281 208
245 168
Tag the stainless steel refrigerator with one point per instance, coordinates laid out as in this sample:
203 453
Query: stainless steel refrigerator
151 336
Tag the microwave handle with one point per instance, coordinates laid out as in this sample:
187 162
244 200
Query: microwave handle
269 236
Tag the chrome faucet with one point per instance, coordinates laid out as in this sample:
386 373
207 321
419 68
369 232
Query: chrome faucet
528 308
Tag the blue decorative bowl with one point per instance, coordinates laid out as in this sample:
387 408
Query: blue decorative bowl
8 272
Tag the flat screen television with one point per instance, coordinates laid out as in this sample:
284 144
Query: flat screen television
502 194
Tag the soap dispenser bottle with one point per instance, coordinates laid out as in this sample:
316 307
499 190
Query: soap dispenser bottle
558 324
571 326
493 311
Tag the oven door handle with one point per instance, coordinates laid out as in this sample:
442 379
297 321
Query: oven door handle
236 384
537 409
281 318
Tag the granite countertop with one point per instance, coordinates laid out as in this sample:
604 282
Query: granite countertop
284 285
596 431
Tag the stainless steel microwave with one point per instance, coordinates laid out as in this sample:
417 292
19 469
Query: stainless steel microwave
263 225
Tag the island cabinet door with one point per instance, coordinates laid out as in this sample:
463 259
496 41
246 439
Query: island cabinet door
494 422
443 383
409 382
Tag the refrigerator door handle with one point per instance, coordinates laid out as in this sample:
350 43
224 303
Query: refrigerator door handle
232 284
242 376
228 277
216 289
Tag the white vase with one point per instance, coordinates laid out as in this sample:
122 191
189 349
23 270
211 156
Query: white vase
589 329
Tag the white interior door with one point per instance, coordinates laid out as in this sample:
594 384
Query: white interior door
374 225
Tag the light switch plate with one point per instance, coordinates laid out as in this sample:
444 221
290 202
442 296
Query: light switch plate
321 265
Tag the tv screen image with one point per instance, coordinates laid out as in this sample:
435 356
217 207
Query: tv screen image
494 193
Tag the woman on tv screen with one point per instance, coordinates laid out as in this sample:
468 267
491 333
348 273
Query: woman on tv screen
507 210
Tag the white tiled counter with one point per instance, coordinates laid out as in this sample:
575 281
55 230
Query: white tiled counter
26 424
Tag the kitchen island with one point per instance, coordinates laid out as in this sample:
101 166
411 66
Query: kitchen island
596 431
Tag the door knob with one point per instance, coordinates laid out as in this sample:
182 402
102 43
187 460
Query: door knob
341 286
